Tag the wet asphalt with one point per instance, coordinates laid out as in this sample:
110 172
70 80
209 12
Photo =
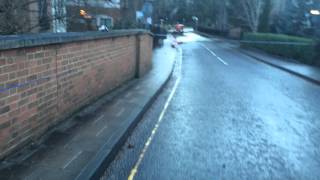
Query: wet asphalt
230 118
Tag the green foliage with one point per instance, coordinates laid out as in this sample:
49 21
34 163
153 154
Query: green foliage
299 48
295 19
173 11
212 31
264 25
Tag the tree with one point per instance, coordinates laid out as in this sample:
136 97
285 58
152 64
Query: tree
172 10
25 16
222 19
251 12
264 24
295 18
58 16
13 16
217 14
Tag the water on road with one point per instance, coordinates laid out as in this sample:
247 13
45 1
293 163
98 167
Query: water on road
230 117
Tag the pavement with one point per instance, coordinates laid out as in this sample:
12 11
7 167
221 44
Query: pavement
307 72
224 115
88 141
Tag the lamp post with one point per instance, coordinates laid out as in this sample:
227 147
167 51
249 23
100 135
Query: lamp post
316 19
315 12
195 20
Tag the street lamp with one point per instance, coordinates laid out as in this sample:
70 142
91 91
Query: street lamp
315 12
83 12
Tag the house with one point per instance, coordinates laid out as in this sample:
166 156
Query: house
92 14
136 12
34 16
68 15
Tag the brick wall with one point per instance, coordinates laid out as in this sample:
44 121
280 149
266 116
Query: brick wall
145 53
42 85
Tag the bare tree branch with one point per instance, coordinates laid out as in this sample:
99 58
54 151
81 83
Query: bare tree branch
24 16
252 10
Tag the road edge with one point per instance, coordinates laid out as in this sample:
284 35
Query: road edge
96 167
307 78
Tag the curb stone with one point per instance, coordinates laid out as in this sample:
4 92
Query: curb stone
307 78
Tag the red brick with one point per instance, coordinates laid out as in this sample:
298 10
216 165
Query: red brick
23 73
13 106
9 53
33 50
14 112
12 75
12 83
39 55
13 98
2 62
10 68
11 60
4 109
30 56
4 77
4 94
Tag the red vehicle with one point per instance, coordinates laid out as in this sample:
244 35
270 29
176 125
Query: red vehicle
179 28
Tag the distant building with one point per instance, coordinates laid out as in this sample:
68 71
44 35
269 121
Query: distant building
92 14
129 10
70 15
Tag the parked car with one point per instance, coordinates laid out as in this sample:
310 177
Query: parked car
179 28
159 33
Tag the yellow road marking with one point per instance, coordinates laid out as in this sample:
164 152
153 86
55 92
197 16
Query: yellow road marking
134 171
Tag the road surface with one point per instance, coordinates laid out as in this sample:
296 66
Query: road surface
225 116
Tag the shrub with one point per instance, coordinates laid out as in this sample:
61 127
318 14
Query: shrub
212 31
302 49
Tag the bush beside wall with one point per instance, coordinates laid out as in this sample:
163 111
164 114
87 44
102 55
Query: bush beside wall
212 31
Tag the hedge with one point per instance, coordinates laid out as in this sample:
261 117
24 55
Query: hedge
212 31
302 49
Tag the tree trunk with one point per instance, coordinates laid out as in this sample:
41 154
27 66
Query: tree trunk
252 10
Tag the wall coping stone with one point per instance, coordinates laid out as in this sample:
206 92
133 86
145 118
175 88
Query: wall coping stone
33 40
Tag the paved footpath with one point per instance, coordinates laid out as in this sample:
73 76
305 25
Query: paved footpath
90 139
307 72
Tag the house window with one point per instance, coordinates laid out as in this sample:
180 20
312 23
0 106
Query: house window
125 3
105 20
